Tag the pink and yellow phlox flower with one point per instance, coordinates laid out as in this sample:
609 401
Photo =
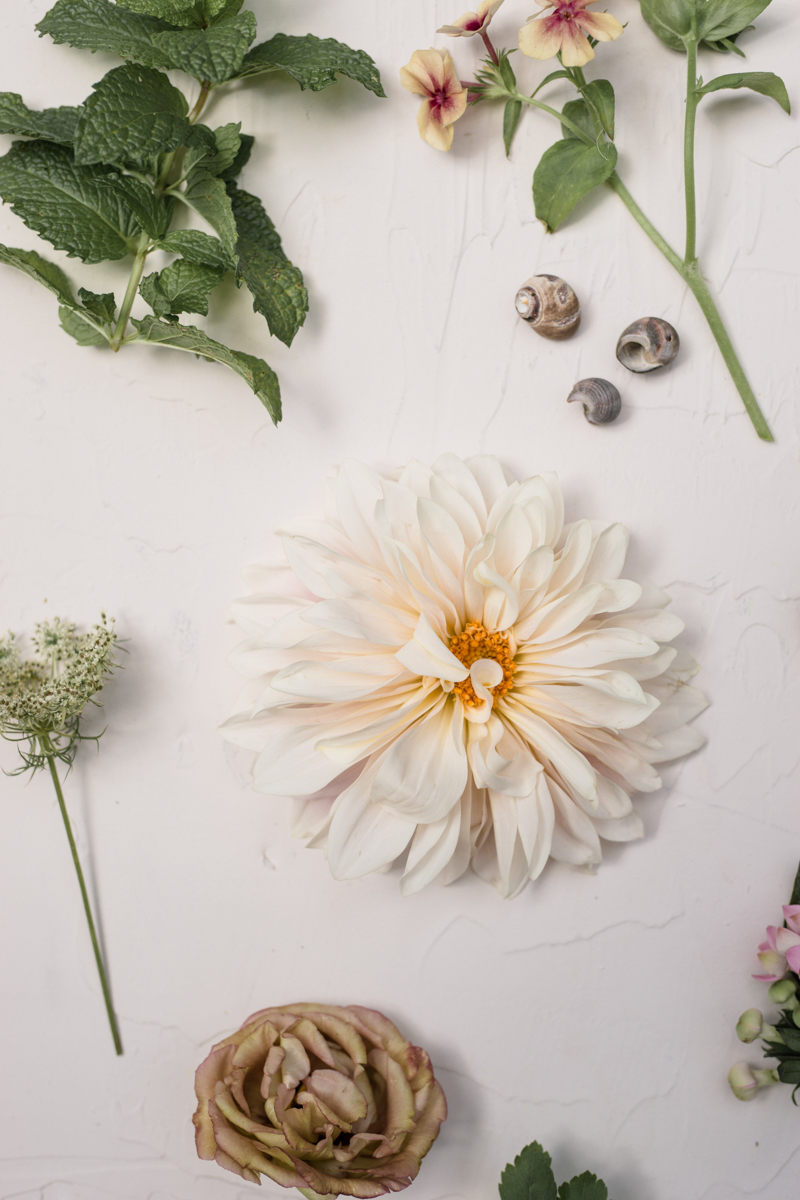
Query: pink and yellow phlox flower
432 75
565 30
471 23
781 951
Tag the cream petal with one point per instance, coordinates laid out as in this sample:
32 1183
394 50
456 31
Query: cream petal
569 567
623 829
431 850
442 533
589 707
601 26
617 594
363 618
536 820
416 477
356 744
540 39
254 614
452 469
600 646
472 802
297 551
654 623
464 515
363 836
272 579
676 744
484 674
308 814
426 654
500 602
499 761
651 667
560 617
568 761
512 542
423 774
333 682
358 490
679 703
575 839
490 475
512 864
608 555
290 766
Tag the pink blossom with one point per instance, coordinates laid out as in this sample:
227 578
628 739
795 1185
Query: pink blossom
564 32
781 949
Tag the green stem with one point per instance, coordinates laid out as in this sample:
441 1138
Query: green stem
688 151
616 185
47 747
565 121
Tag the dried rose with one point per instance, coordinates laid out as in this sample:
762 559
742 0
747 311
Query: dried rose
326 1099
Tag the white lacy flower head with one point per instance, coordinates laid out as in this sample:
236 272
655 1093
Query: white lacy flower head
442 669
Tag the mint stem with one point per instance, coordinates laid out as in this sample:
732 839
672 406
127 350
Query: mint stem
47 748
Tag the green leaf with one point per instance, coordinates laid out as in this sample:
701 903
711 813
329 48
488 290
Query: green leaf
134 113
566 172
255 372
214 54
511 116
216 150
246 142
789 1072
100 25
152 214
763 82
217 10
795 897
670 20
177 12
726 45
530 1178
78 328
583 1187
103 306
197 247
53 124
275 284
38 268
577 111
791 1037
181 287
312 62
506 71
550 78
83 210
719 19
599 95
207 196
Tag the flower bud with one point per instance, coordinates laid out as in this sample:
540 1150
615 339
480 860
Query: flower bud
749 1025
766 1078
770 1034
743 1082
784 993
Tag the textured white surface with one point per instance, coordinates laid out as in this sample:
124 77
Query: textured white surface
594 1013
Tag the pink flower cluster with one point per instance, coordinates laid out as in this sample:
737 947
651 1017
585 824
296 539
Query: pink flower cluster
781 951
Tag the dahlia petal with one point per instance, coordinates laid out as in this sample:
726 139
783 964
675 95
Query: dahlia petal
500 602
491 477
601 26
512 864
589 707
455 472
354 745
600 646
608 555
572 560
620 829
462 512
656 624
362 618
535 819
568 761
484 674
290 766
534 572
512 776
651 667
512 542
442 533
332 682
613 802
560 617
271 579
432 848
575 839
426 654
257 614
618 594
455 868
423 774
363 836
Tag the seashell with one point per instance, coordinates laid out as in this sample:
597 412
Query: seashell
600 399
647 345
549 305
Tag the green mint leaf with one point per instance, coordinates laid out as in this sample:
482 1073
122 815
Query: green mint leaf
200 145
246 142
181 287
255 372
216 150
214 54
134 113
100 25
53 124
274 283
583 1187
104 306
197 247
530 1177
78 209
177 12
719 19
566 172
599 95
217 10
312 62
763 82
577 111
670 20
152 214
511 117
38 268
795 896
78 328
207 196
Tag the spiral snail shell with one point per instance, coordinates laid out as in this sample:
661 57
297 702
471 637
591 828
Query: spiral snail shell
549 305
648 344
600 399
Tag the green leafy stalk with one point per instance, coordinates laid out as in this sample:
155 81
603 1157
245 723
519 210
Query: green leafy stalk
48 750
692 100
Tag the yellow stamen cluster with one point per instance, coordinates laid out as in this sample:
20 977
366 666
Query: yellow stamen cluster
476 642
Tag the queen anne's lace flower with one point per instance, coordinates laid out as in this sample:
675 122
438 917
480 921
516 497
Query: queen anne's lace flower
442 667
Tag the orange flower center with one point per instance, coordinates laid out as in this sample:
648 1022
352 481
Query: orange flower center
474 643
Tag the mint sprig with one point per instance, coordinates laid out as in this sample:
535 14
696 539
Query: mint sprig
530 1177
104 180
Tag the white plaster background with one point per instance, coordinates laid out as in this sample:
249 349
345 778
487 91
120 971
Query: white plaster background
594 1013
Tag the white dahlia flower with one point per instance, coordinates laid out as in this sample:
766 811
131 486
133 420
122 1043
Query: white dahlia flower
442 667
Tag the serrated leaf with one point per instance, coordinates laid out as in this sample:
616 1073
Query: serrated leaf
255 372
216 10
207 196
216 150
39 269
214 54
566 173
599 95
53 124
103 306
275 284
670 20
511 115
200 145
198 247
246 143
153 214
101 25
177 12
583 1187
577 111
719 19
312 62
82 210
78 328
530 1177
763 82
134 113
181 287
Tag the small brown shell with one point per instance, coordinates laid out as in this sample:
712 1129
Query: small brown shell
647 345
600 399
549 305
